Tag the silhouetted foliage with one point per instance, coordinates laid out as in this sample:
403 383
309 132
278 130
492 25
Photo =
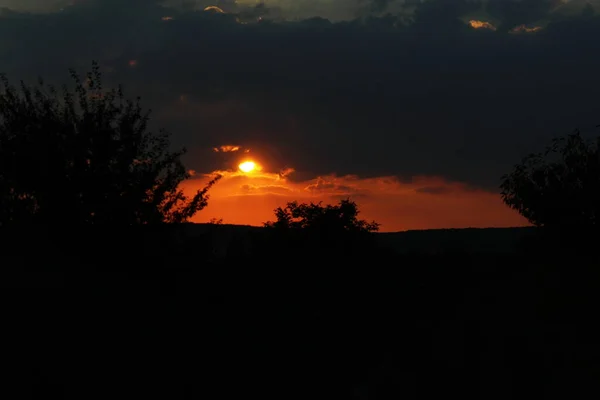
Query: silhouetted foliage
339 218
558 188
86 156
315 230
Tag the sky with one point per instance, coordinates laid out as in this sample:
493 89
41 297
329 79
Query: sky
414 109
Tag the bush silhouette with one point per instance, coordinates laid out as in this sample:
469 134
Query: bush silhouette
85 156
330 219
331 232
558 188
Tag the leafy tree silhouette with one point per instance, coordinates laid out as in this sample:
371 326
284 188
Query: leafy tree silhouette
309 230
85 156
331 219
558 188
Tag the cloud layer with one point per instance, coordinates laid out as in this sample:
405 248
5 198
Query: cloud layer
401 89
507 10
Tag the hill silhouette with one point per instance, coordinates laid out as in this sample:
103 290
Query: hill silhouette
482 324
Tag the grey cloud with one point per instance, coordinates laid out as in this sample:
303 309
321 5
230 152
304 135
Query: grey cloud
324 186
34 5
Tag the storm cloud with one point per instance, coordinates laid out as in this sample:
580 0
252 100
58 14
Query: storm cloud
382 88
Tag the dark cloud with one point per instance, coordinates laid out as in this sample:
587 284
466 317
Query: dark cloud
371 97
513 13
378 6
331 187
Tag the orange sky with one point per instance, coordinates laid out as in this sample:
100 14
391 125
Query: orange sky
424 203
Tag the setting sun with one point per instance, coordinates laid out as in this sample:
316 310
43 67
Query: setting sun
247 166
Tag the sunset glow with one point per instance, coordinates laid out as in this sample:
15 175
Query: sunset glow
247 166
249 198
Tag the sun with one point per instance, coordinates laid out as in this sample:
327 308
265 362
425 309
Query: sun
247 166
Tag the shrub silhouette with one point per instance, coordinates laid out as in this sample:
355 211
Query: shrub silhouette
558 188
331 232
86 156
330 219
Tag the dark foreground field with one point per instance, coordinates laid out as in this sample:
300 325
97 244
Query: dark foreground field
184 322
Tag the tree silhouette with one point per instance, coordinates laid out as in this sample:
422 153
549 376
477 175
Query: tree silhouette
86 156
310 232
339 218
558 188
